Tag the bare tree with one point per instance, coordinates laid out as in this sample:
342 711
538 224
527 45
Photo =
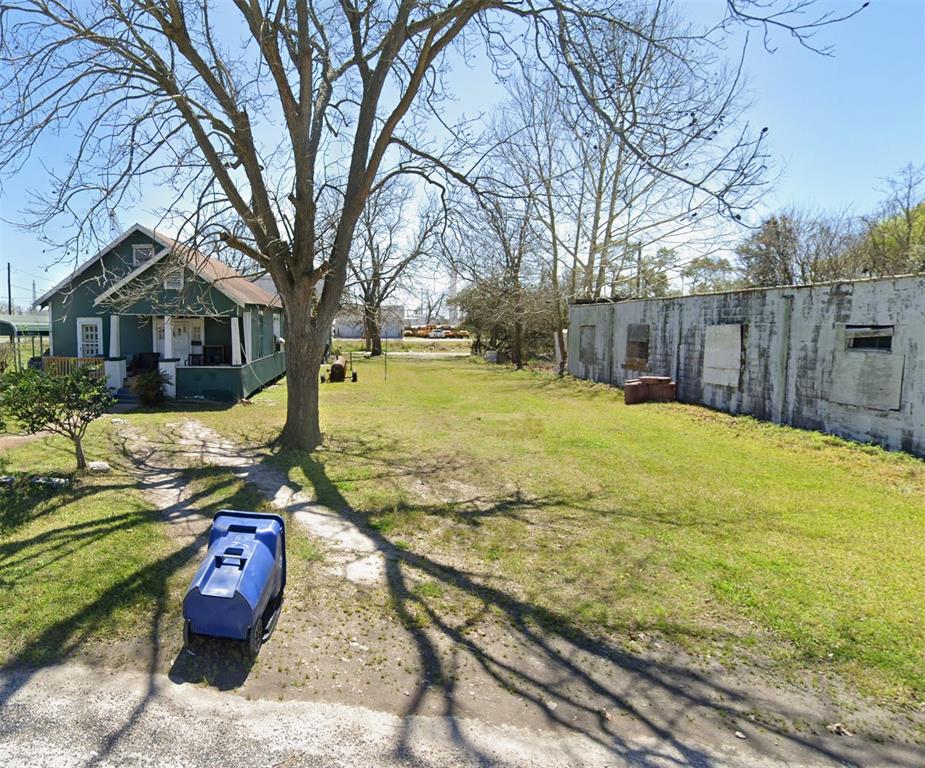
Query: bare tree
495 243
894 236
271 129
797 247
385 251
432 305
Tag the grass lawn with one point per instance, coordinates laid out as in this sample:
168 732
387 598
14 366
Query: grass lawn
413 344
92 562
727 535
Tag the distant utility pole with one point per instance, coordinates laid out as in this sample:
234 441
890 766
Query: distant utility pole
9 289
33 295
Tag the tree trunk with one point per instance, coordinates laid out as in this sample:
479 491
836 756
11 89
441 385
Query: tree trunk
517 349
79 452
305 343
373 331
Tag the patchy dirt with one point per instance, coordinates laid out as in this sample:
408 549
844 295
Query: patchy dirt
351 553
386 635
12 441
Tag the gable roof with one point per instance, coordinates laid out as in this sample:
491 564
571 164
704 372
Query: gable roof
42 300
222 277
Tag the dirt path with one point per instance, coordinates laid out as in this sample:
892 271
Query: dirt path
350 552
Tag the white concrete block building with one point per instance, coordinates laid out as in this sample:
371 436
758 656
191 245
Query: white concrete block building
846 358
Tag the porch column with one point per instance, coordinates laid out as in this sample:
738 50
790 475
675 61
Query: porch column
168 337
248 341
235 340
114 336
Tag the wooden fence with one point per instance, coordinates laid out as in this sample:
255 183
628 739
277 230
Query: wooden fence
64 365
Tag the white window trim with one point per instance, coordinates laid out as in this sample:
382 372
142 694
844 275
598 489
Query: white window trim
98 322
136 262
173 273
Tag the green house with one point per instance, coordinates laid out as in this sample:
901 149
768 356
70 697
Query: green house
145 300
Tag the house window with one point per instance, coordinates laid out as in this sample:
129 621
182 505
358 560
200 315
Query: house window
637 346
174 280
196 331
869 338
142 254
89 337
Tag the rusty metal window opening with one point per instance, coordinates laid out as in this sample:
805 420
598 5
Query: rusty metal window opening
637 346
869 338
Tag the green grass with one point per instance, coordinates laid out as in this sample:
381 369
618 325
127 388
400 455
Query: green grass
343 346
550 498
92 565
726 534
81 564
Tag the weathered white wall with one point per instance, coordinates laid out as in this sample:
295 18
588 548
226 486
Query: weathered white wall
794 365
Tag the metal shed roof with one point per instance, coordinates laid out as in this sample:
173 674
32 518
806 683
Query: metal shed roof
24 324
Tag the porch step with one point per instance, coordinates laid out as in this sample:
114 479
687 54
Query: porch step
125 395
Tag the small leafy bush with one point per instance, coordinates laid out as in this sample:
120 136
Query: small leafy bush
151 386
63 403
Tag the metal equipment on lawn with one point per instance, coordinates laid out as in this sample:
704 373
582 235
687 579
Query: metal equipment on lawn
237 593
338 370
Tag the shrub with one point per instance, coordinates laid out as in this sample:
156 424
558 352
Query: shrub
63 403
150 386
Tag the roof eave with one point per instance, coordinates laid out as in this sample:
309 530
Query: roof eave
44 298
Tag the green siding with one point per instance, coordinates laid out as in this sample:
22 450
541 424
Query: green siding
77 299
222 384
262 371
135 335
227 384
197 297
262 331
218 331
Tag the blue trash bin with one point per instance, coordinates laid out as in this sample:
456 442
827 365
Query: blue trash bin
237 592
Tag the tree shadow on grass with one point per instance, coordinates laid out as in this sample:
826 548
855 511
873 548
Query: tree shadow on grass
149 586
579 683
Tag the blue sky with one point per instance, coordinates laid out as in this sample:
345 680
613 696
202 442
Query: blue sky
838 124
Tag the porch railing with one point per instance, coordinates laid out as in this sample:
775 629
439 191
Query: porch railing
64 365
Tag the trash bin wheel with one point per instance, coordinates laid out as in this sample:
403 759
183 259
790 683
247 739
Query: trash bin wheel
187 633
255 637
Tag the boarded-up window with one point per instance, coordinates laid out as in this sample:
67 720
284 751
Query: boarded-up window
587 352
722 355
868 370
637 346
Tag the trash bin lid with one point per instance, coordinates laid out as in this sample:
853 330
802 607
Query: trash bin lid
223 577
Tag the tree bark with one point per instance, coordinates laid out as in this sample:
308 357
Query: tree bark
305 342
79 452
518 345
373 331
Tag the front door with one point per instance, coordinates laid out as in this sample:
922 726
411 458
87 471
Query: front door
181 339
186 331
